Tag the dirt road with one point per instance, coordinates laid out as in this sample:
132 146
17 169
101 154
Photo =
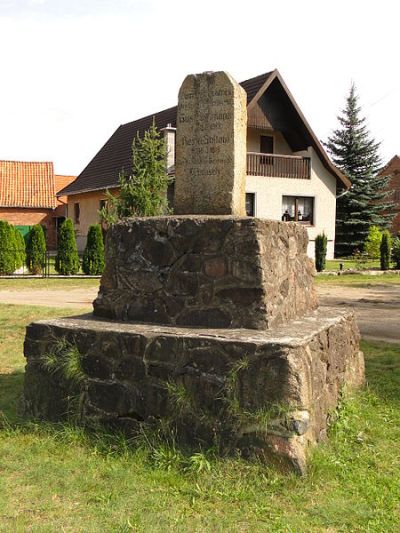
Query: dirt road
72 298
377 308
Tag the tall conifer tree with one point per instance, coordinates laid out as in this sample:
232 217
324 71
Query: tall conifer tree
356 154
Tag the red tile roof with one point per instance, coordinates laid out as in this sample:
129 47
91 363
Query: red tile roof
27 184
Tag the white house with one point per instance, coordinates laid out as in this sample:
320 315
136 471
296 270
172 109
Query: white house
289 175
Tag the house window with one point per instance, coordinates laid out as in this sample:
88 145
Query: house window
298 209
250 204
396 196
77 213
102 204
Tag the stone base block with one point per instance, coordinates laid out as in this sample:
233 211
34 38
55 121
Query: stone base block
265 392
206 271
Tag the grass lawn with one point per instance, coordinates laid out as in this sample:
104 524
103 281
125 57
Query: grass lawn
334 264
55 477
358 280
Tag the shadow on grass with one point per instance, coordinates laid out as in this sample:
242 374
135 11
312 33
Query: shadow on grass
11 390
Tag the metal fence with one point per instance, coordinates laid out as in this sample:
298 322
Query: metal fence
45 266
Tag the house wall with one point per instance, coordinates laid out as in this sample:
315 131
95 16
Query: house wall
393 170
321 186
29 217
280 144
89 204
268 193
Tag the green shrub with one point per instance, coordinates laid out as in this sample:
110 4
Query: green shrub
321 243
36 250
93 256
67 259
372 243
385 248
7 248
19 249
396 252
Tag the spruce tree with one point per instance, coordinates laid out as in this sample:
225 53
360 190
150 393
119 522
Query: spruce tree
67 259
144 191
93 256
36 250
356 154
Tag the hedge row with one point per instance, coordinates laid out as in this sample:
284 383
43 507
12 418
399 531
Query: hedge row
14 253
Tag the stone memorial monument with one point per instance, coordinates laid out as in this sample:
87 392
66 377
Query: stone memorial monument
211 146
206 319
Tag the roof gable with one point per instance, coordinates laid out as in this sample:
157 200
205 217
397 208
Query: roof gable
27 184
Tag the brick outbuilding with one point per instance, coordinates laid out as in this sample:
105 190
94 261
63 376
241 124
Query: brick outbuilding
28 196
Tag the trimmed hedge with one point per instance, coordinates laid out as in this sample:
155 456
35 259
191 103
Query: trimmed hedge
67 259
385 249
93 256
321 244
36 250
7 248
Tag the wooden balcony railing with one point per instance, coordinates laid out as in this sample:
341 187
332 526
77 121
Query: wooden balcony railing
278 166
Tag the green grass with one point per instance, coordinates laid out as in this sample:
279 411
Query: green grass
359 280
56 477
47 283
334 264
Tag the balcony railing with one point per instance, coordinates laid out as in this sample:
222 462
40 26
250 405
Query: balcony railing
278 166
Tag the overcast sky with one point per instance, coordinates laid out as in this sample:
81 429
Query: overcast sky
72 71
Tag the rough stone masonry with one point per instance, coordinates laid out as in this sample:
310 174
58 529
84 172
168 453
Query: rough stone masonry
207 321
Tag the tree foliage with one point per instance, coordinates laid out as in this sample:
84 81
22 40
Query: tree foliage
386 246
372 243
67 259
356 154
36 250
20 249
7 248
144 191
396 252
93 256
321 244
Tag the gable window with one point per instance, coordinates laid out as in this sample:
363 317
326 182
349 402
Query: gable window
298 209
77 213
250 204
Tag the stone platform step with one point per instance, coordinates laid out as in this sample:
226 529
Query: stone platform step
268 392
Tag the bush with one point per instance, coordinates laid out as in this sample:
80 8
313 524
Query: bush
385 248
67 259
7 248
93 256
19 249
372 243
396 252
36 250
321 243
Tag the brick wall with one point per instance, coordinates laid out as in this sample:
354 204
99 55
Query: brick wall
30 217
393 170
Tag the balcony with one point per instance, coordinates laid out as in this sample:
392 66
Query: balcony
278 166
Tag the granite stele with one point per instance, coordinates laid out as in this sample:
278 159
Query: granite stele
207 320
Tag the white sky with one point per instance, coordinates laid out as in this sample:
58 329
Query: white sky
72 71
